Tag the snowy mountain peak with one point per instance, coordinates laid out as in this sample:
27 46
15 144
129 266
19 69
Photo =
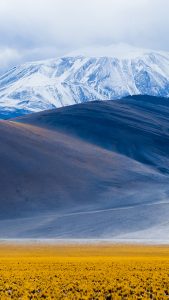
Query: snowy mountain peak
84 76
120 51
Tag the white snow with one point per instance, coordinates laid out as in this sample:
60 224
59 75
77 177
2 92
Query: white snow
103 73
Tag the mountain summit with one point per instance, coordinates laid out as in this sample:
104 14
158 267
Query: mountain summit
89 74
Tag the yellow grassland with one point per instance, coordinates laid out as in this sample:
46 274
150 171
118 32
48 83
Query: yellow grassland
38 271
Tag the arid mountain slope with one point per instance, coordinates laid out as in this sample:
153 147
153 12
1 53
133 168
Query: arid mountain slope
98 169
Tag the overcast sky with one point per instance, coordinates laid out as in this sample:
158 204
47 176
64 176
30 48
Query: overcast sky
39 29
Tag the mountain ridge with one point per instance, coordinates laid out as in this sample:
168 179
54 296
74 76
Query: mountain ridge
68 80
112 183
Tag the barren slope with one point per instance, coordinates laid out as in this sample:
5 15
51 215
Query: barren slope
95 170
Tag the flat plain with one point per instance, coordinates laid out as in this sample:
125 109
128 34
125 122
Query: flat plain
87 271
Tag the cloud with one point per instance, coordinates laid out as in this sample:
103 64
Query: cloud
8 56
39 29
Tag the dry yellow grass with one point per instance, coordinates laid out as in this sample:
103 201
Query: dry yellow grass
84 272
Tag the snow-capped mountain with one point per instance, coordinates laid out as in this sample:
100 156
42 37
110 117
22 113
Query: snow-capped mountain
89 74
